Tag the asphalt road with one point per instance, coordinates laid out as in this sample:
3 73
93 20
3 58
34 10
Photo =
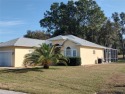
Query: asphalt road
10 92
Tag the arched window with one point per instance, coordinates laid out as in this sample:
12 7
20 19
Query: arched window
68 51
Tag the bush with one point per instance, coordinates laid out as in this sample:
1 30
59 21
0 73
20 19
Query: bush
74 61
63 62
60 64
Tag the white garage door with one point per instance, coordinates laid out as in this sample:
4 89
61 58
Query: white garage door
5 58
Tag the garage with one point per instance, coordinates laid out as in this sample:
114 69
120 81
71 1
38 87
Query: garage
5 58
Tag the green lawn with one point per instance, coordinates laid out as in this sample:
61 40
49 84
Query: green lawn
104 79
121 61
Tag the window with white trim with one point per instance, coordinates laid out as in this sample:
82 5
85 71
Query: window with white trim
68 51
74 53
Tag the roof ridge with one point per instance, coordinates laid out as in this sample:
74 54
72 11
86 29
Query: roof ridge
29 38
17 41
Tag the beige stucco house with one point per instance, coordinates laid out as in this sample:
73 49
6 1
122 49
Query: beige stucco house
12 52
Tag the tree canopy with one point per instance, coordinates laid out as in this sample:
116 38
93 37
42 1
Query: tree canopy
37 34
81 18
119 20
109 35
85 19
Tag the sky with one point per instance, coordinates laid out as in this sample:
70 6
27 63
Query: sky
18 16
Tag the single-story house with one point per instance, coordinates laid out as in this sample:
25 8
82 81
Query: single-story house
12 52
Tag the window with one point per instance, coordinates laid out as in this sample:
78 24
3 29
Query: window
68 51
74 53
71 52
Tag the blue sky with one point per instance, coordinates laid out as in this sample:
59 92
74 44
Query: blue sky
18 16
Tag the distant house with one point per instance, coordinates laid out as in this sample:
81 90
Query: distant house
12 52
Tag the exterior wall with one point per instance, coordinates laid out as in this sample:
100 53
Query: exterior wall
67 43
20 52
88 57
72 45
9 49
86 53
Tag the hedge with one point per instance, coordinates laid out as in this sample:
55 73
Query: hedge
74 61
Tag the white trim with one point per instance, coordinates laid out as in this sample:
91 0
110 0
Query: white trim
72 52
69 51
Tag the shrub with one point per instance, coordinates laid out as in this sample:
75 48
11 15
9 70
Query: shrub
74 61
60 64
63 62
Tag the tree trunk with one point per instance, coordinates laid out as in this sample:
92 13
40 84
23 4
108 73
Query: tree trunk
123 53
46 66
123 49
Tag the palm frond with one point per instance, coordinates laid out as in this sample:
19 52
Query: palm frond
44 55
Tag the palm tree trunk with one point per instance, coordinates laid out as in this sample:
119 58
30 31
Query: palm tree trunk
46 66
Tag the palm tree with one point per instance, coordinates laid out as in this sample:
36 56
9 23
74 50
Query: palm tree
44 55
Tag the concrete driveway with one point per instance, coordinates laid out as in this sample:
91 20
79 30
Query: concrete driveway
10 92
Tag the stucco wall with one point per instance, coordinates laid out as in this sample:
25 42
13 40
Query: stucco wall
9 49
67 43
20 52
72 45
88 57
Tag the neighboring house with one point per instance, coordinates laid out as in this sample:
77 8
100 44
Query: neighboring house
12 52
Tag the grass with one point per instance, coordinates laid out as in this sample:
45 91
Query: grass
121 61
104 79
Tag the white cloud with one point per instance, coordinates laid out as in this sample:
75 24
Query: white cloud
11 23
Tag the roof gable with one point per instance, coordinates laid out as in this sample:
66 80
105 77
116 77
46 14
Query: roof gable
77 40
84 42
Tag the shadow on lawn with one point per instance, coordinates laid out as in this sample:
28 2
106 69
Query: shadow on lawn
24 70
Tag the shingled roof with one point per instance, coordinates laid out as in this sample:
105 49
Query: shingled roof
28 42
25 42
77 40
